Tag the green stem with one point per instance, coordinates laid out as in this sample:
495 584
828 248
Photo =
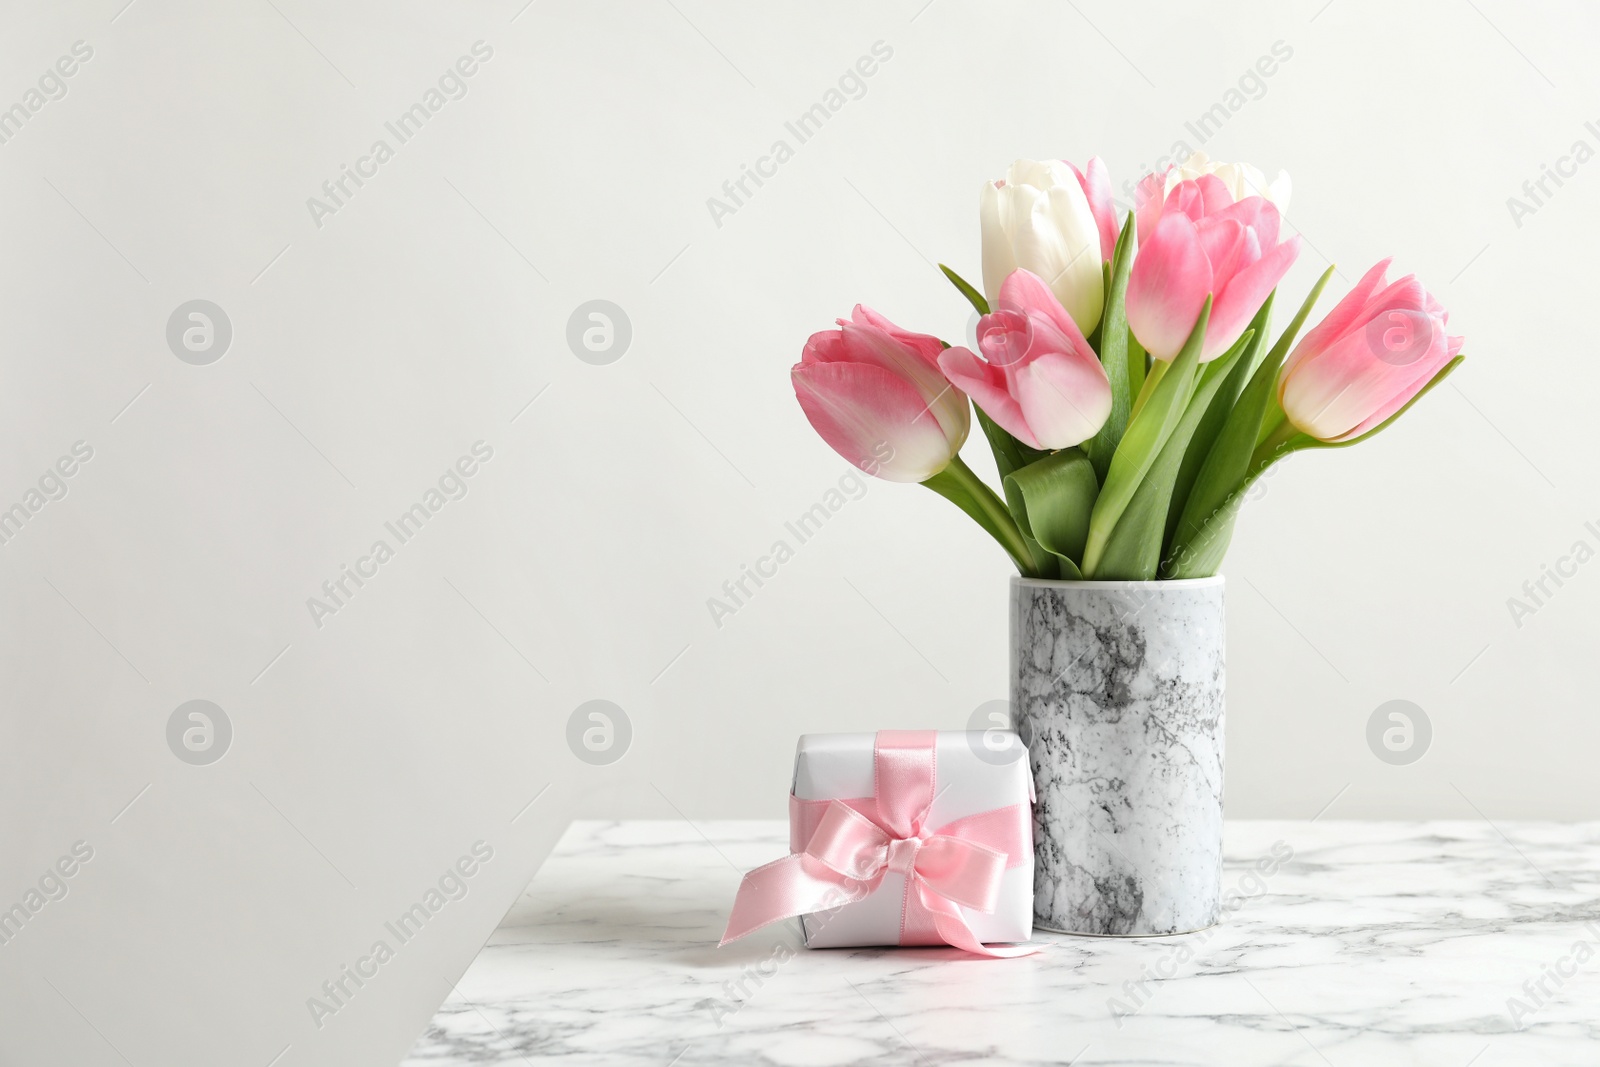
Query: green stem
1148 386
1272 422
1136 361
1273 442
958 484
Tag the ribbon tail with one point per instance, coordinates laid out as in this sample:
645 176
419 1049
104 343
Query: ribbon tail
785 888
954 931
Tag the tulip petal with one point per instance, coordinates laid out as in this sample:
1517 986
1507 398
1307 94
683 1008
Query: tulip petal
1214 193
1096 183
1168 284
1045 339
914 356
999 258
1187 198
1025 214
1064 398
987 387
1346 314
1278 192
869 344
1242 296
1382 413
1149 197
1225 245
1256 214
1341 390
1066 240
864 411
1004 337
1026 292
824 346
926 345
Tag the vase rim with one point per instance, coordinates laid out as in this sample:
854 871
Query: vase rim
1022 581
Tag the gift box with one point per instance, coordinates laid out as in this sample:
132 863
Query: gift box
903 838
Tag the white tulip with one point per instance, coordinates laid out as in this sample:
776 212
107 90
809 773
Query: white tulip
1039 219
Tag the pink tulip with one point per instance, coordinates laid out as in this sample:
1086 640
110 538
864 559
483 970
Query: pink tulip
1205 243
1372 354
1096 182
874 392
1038 378
1239 179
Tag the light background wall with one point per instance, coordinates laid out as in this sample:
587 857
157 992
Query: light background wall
430 312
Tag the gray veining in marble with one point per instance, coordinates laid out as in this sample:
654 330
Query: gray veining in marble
1342 944
1118 689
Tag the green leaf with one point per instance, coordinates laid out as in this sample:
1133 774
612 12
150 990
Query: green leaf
1133 552
1142 441
1114 341
1202 555
1281 349
1009 453
1058 494
1216 415
1045 564
1220 476
974 297
1137 365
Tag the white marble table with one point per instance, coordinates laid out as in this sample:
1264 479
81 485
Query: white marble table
1375 944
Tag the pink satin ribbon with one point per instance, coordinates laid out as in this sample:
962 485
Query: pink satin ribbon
841 850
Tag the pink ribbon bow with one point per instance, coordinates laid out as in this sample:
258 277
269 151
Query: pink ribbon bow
840 851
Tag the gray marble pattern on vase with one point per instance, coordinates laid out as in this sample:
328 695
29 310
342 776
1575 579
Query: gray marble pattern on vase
1118 689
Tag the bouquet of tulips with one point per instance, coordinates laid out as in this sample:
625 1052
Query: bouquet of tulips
1123 376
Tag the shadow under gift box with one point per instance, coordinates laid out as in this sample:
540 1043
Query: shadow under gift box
969 779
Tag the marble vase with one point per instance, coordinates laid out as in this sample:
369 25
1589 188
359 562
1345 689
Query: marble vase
1117 688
